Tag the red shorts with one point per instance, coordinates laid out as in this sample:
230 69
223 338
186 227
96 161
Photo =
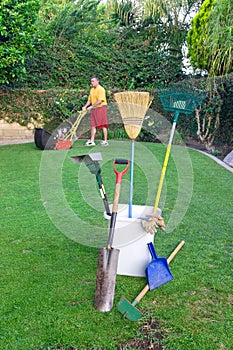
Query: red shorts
98 118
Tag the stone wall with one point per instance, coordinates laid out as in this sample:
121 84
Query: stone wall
14 131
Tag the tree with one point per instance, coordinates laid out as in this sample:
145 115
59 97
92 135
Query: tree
162 26
17 29
72 46
220 37
210 43
168 20
126 44
50 8
210 39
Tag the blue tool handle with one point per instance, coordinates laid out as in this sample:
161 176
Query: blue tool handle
152 250
130 214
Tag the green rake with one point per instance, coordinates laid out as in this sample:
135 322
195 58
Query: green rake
177 101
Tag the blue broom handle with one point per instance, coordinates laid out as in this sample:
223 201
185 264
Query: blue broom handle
131 179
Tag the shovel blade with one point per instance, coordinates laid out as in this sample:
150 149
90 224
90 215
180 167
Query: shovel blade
106 279
87 158
158 273
128 310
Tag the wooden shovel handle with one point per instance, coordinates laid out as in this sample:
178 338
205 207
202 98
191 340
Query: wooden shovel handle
147 288
116 198
119 176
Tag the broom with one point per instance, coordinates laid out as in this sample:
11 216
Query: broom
133 106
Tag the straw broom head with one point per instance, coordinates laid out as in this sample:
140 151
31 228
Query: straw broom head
133 106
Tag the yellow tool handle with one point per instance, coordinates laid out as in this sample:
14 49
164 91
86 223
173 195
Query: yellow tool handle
162 178
75 126
146 288
167 155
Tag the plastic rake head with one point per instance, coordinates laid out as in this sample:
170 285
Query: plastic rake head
179 100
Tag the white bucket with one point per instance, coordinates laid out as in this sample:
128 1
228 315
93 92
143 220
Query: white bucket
131 239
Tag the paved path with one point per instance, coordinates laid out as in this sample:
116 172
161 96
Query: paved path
219 161
13 142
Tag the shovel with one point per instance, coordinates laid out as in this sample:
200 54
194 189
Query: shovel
108 257
129 310
157 272
91 161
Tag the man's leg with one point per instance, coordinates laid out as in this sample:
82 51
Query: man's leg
105 132
93 132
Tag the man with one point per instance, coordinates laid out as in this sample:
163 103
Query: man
97 104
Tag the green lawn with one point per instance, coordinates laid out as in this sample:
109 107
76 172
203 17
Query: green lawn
51 220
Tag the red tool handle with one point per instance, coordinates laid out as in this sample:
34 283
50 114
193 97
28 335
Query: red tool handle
119 175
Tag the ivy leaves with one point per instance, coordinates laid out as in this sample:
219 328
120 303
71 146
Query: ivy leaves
17 28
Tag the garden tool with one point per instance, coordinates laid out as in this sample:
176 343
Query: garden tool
91 161
44 139
157 272
177 101
133 106
129 310
108 257
66 141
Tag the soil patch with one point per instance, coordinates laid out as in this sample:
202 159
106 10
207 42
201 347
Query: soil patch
149 339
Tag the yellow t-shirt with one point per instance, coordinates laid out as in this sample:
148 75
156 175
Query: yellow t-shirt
97 94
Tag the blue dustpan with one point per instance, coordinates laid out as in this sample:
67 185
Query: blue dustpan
157 272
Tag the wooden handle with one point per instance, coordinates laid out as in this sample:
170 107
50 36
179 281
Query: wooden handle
116 198
141 294
146 288
175 252
113 216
